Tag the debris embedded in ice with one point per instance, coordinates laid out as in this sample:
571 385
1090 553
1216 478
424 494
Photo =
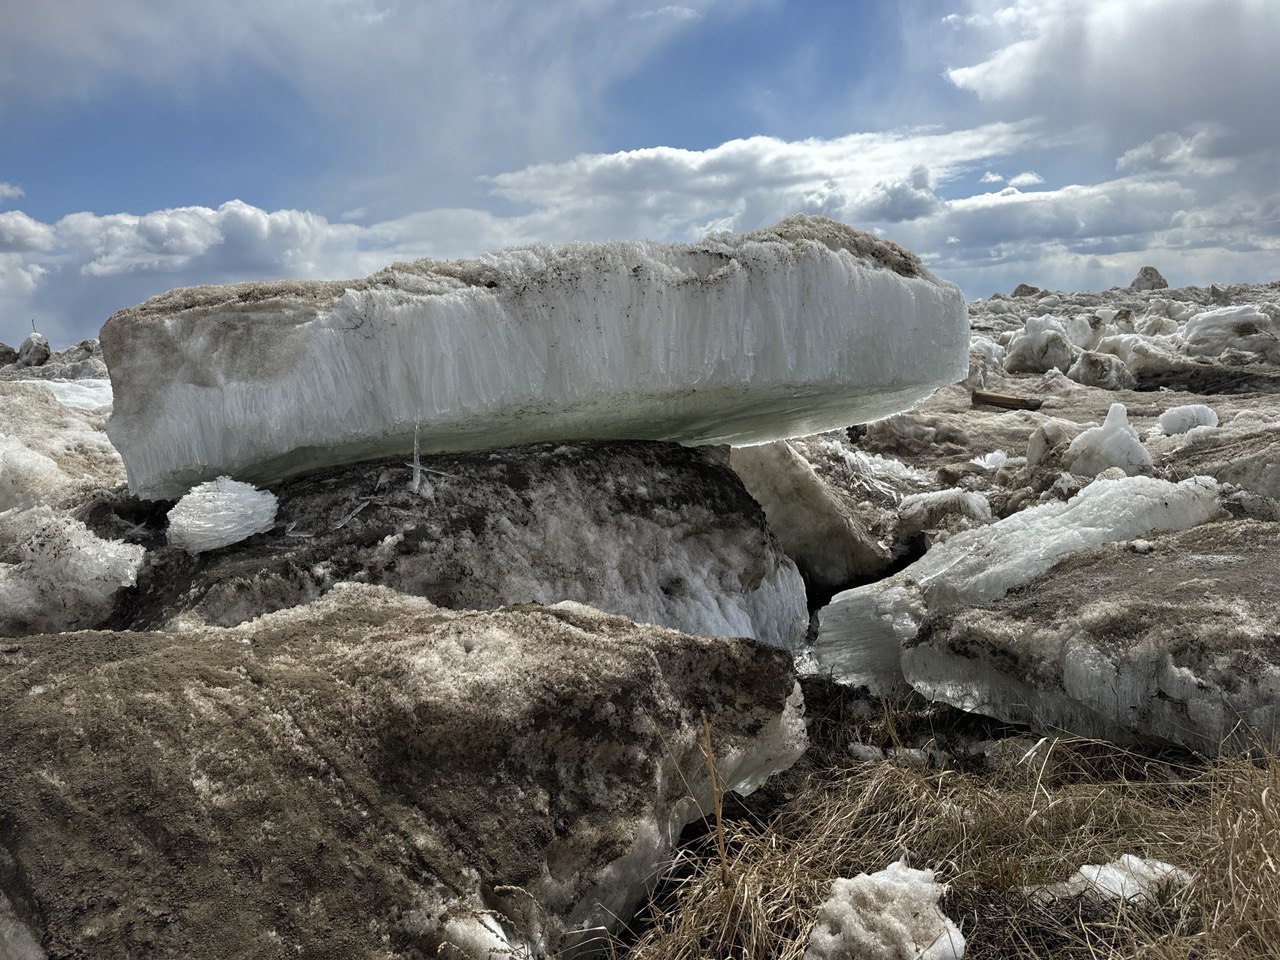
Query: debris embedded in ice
8 355
1149 278
892 914
1114 444
1186 417
657 532
421 774
219 513
861 633
55 574
802 327
34 351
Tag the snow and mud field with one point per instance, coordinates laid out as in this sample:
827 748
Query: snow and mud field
339 620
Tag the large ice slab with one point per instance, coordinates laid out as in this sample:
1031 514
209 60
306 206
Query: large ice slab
803 327
862 632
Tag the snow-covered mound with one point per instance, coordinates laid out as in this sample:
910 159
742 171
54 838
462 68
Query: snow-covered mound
803 327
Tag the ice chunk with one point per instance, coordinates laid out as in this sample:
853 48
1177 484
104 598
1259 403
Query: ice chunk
1114 444
739 339
1130 878
447 763
1103 370
1041 347
861 632
219 513
1177 420
33 351
1246 327
55 574
828 541
892 914
1149 278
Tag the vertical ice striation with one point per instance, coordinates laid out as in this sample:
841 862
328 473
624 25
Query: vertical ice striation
806 326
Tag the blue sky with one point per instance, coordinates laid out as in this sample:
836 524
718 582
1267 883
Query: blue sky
149 145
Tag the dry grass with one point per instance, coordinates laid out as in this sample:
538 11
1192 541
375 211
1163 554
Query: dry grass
989 833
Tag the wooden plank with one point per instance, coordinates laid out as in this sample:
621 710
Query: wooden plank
1006 400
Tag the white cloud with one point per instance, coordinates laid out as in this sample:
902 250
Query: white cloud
1028 178
991 177
1137 67
1198 154
10 191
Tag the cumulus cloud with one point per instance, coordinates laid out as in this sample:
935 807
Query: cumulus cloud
10 191
991 177
1137 67
1200 154
1028 178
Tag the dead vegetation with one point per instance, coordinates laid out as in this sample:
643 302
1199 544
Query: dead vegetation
992 830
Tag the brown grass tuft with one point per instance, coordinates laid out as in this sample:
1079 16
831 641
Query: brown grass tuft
991 833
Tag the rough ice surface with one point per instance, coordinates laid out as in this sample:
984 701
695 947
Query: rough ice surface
1186 417
739 339
1102 370
1166 641
1131 878
515 779
50 453
861 632
1245 327
1041 347
55 574
86 394
82 360
829 542
219 513
892 914
1114 444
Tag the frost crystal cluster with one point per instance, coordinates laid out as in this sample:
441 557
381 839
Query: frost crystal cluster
220 513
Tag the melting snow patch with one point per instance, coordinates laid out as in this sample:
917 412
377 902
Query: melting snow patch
1130 878
888 915
219 513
